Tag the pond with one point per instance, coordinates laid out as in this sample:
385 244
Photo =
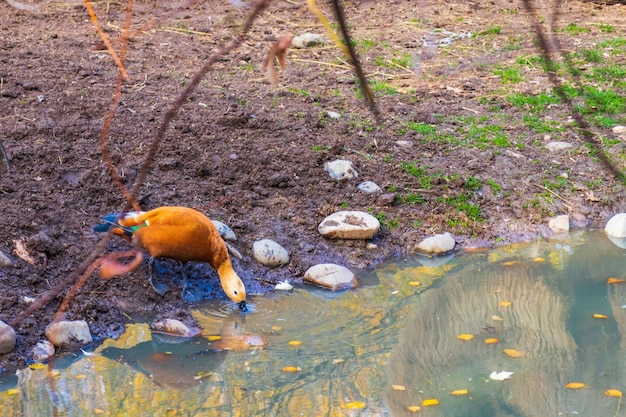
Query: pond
425 336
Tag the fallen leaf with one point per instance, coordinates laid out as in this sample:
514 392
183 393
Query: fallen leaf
459 392
13 391
213 338
277 328
415 283
22 252
538 259
575 385
491 340
335 361
81 376
36 366
614 280
613 393
98 411
354 404
600 316
466 336
500 376
509 263
514 353
429 402
294 343
505 303
398 387
414 408
496 318
291 369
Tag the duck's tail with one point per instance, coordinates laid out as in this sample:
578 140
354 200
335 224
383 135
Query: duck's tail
110 221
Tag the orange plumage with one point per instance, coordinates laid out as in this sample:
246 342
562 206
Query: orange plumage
182 234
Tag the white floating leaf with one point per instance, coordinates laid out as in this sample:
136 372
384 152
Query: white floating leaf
500 376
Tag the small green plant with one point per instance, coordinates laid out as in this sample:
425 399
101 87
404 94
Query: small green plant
601 101
494 30
591 55
462 204
384 222
494 186
473 183
508 75
383 87
534 103
412 198
574 29
606 28
424 180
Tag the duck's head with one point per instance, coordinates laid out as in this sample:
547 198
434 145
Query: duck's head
233 286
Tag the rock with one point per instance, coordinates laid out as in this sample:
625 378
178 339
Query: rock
368 187
619 130
333 114
43 351
349 225
616 226
334 277
307 39
8 338
5 260
437 244
404 143
225 232
558 146
341 169
559 224
69 333
175 328
270 253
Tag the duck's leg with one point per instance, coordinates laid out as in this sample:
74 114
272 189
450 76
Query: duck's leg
160 289
185 284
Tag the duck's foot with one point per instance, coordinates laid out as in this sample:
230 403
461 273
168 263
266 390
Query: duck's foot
185 293
158 288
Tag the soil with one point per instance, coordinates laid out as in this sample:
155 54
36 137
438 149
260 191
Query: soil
252 155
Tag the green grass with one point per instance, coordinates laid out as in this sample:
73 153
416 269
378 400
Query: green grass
534 103
591 55
494 30
424 179
600 101
574 29
508 75
461 203
540 125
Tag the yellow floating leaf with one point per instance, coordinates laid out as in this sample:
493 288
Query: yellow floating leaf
491 340
36 366
613 393
415 283
509 263
277 328
600 316
459 392
398 387
81 376
496 318
614 280
414 408
295 342
575 385
539 259
505 303
213 338
338 360
54 372
354 404
291 369
13 391
466 336
429 402
98 411
514 353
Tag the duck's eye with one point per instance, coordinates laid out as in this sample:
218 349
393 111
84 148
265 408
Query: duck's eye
236 292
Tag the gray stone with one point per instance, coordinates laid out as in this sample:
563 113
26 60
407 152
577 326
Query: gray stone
559 224
341 169
69 333
333 114
8 338
175 328
5 260
558 146
42 351
349 225
616 226
437 244
270 253
334 277
307 39
225 232
368 187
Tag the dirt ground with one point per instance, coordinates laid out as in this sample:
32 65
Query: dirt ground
252 155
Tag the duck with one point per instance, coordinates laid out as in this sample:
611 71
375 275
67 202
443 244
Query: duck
182 234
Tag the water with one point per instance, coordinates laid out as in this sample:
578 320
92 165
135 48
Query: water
381 350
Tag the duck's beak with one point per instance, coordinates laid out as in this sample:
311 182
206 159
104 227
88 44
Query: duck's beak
242 306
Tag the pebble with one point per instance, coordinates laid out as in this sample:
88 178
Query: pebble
42 351
437 244
349 225
225 232
269 253
616 226
559 224
341 169
619 130
333 114
368 187
404 143
5 260
175 328
307 39
334 277
69 333
8 338
558 146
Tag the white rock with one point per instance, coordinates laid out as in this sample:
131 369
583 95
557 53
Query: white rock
559 224
619 130
307 39
5 260
368 187
43 351
404 143
175 327
69 333
225 232
8 338
284 285
437 244
616 226
500 376
349 225
341 169
558 146
334 277
333 114
270 253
